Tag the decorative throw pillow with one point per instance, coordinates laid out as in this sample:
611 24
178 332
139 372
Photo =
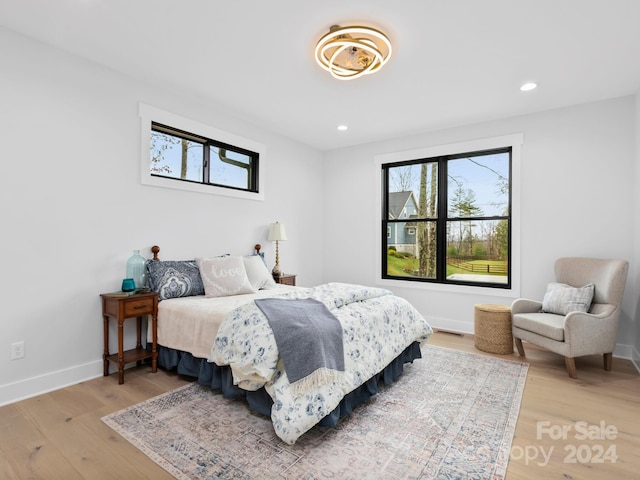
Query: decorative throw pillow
173 279
224 276
562 299
259 276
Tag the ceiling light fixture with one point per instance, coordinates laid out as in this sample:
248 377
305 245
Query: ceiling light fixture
528 86
351 52
343 128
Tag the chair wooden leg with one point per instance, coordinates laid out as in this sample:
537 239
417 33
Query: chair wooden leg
571 367
608 359
519 346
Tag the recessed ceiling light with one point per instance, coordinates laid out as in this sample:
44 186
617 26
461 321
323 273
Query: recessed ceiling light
343 128
528 86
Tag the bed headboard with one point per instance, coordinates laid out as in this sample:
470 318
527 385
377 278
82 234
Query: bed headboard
156 249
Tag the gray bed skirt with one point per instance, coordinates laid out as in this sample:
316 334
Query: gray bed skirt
220 379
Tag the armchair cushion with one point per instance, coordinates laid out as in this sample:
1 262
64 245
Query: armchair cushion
561 298
545 324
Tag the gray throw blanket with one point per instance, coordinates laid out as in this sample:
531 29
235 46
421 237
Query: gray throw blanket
309 340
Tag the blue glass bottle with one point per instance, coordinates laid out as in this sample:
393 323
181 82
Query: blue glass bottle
136 269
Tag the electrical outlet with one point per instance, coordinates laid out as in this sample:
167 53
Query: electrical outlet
17 350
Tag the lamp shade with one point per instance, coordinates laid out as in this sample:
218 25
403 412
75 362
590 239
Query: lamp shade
277 232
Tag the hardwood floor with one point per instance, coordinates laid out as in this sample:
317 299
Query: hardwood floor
59 435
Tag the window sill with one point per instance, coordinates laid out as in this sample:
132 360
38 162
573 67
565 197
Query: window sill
513 292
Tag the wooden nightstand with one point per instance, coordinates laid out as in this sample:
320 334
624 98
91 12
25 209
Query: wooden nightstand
120 308
286 279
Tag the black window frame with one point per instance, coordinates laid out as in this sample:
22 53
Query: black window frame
254 169
442 218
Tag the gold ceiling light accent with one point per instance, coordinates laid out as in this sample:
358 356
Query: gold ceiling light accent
351 52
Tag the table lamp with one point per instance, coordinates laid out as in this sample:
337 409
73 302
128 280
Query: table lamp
277 233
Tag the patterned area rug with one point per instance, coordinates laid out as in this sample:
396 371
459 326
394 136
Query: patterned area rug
450 415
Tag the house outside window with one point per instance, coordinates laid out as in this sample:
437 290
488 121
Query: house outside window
459 208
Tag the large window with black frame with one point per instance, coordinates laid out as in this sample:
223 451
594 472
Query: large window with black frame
447 219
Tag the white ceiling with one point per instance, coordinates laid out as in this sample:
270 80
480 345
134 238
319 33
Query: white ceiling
454 62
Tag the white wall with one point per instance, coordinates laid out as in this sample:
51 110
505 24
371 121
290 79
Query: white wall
577 198
73 208
635 272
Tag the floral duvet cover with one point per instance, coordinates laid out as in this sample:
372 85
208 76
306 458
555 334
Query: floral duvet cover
377 327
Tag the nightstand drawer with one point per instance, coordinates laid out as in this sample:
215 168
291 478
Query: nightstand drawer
286 279
136 308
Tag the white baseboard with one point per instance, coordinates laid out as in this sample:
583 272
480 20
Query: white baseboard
635 359
448 325
623 351
31 387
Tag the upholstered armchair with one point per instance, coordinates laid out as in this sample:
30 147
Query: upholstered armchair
578 315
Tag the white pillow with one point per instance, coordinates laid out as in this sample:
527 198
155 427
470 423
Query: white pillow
259 276
562 299
224 276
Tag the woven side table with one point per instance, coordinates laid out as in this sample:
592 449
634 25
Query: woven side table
492 328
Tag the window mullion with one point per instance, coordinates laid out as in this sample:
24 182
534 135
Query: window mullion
206 163
441 255
385 217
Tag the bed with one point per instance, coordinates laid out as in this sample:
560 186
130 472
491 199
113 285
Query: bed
223 330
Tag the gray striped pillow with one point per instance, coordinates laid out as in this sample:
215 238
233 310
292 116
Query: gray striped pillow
562 298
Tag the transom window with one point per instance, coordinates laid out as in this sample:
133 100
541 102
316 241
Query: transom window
184 154
187 157
447 219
